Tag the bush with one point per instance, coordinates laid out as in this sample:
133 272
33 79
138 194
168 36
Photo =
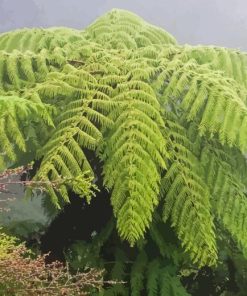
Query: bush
21 273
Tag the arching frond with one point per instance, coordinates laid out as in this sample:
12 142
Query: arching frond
134 154
19 119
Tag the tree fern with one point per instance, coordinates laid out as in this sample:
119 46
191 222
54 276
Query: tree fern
166 123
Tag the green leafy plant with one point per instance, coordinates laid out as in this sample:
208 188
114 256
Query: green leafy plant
166 122
7 243
150 268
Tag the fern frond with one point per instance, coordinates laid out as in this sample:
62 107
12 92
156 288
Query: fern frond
138 274
19 70
187 199
153 271
134 32
232 62
18 117
226 178
170 284
77 129
134 154
210 100
37 39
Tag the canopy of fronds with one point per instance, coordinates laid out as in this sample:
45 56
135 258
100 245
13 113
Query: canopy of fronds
168 123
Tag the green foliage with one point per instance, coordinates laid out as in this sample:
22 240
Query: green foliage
20 120
137 271
7 243
134 154
126 30
167 122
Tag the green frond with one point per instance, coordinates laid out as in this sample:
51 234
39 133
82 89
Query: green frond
231 62
19 70
12 71
77 129
134 32
210 100
138 274
153 274
187 199
170 284
37 39
134 154
18 116
226 178
118 271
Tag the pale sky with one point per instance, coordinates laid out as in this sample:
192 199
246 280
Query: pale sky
218 22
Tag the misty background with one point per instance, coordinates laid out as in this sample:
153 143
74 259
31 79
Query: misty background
218 22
